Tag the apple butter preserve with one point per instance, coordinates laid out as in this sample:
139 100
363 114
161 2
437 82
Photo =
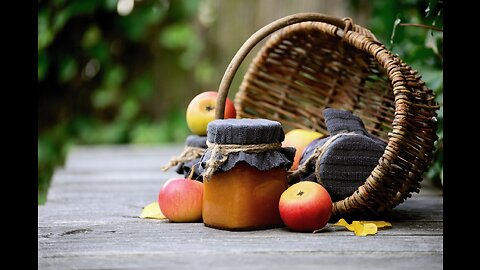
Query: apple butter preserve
244 173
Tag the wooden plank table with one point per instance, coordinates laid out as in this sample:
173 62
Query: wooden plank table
91 221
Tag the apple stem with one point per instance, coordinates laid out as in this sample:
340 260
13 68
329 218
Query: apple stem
300 193
210 108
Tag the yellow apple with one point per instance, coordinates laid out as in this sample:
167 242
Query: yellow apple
299 139
201 111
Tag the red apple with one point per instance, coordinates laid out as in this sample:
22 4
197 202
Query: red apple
299 139
180 200
201 110
305 206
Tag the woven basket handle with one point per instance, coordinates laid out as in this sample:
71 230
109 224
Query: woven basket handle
257 37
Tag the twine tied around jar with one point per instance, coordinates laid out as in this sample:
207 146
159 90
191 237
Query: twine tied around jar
189 153
223 150
316 157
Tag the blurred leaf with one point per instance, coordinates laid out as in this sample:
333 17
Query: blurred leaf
68 69
128 110
181 36
143 16
100 51
82 7
45 35
115 76
110 5
103 98
176 36
141 87
91 36
60 19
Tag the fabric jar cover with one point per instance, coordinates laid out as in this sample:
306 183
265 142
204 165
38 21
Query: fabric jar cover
185 168
248 131
348 160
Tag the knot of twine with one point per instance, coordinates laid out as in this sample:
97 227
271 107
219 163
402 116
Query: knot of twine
189 153
220 154
316 156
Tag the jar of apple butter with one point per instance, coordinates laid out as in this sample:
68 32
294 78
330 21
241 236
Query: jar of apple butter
244 174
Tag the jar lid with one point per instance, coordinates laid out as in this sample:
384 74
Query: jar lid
244 131
247 131
196 141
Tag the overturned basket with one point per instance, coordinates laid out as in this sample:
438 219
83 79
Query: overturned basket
314 61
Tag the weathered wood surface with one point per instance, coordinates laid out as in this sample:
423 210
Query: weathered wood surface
90 221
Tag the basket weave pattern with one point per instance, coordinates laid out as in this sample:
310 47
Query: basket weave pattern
317 62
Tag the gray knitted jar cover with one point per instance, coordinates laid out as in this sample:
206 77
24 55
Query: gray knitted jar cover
348 160
248 131
186 167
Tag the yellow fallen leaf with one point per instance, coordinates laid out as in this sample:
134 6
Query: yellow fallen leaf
341 222
345 224
380 224
363 228
152 211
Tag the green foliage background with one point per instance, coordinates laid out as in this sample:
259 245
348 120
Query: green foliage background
104 78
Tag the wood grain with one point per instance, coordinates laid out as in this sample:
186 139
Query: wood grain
90 221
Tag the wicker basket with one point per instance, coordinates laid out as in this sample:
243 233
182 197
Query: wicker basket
314 61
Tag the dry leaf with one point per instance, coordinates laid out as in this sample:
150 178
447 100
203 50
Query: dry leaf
342 222
380 224
363 228
152 211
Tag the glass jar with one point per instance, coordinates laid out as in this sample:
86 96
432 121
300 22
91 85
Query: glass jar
245 173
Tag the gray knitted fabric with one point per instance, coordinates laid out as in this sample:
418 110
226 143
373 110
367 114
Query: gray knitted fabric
186 167
244 131
248 131
347 161
196 141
